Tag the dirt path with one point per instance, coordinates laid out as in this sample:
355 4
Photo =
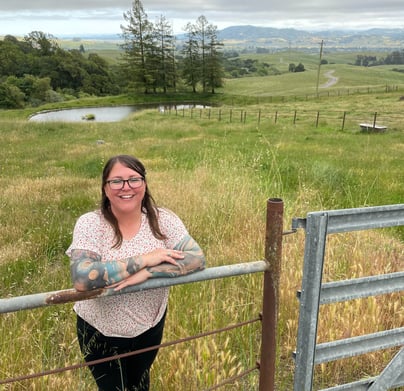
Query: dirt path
331 79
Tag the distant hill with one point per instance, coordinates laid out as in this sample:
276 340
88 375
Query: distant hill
269 37
238 37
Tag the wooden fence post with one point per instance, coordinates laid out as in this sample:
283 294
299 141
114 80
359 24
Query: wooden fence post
343 121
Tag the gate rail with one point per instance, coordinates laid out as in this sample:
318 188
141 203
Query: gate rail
313 294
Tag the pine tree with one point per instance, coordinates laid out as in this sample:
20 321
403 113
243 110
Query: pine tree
201 30
139 47
213 59
203 61
165 69
191 71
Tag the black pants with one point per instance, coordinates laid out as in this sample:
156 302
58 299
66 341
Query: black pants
127 374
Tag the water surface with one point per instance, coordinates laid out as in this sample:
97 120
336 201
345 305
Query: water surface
101 114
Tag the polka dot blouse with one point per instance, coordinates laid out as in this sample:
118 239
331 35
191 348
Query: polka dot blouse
131 314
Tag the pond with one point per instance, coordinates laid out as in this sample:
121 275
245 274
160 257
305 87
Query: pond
100 114
85 114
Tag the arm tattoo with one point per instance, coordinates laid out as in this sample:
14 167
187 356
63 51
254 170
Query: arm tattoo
193 261
90 272
134 264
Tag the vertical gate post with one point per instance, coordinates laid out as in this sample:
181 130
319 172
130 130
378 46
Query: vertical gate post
273 255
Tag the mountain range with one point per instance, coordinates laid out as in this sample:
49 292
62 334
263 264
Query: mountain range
292 38
237 37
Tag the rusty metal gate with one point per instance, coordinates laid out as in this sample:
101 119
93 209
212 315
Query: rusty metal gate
315 293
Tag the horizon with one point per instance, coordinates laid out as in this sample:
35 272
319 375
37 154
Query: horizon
81 17
312 31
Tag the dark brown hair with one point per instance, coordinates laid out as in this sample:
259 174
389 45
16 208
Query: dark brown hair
149 206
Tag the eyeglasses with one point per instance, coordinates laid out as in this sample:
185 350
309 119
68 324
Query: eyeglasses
118 184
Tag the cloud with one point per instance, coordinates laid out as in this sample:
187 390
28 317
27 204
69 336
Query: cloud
102 15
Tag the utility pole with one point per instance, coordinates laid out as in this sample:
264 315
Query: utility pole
319 66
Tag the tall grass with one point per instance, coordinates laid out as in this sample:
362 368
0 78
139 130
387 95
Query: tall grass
217 177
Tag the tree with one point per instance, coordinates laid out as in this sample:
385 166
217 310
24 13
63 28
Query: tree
201 32
165 60
214 67
12 58
192 60
11 97
138 46
34 89
203 61
35 68
97 78
45 44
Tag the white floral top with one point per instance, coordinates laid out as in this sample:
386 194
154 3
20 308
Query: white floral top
131 314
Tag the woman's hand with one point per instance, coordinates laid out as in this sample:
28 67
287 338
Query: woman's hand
137 278
153 258
161 255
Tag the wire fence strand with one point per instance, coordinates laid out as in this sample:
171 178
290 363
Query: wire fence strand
128 354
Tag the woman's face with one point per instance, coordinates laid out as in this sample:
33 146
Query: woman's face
124 198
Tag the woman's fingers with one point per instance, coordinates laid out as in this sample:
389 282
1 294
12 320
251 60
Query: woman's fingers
175 254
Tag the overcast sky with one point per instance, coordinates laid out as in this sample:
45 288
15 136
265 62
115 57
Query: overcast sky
78 17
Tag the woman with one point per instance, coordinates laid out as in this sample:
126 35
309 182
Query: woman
124 243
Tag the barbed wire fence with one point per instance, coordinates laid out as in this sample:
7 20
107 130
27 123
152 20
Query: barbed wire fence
341 120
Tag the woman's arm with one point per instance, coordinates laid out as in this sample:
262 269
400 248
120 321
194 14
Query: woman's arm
193 261
89 272
186 257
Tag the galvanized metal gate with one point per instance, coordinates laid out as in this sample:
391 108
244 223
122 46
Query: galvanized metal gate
315 293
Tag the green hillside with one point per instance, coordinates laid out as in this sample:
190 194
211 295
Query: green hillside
259 138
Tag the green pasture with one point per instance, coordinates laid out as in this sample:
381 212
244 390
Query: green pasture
217 176
350 78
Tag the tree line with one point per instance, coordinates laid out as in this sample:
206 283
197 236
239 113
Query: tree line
151 57
394 58
36 70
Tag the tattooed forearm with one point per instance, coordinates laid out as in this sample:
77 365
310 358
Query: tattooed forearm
89 272
193 261
185 266
189 245
134 264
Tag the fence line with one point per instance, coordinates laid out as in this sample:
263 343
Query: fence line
32 301
64 296
124 355
330 92
340 119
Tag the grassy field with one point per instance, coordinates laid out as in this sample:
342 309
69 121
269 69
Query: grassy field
216 176
350 79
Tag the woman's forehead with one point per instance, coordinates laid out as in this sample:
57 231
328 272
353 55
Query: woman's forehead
118 168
